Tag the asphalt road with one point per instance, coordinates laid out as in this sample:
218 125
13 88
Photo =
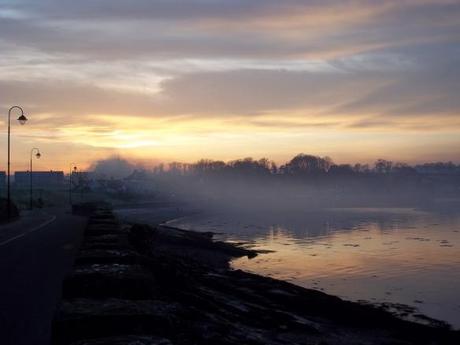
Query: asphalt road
35 254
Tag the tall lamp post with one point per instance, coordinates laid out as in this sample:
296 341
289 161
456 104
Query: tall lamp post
22 120
71 169
37 155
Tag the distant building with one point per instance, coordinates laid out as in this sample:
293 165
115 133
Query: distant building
41 179
83 175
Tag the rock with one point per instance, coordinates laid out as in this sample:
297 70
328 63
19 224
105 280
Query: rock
102 229
83 318
202 241
110 280
90 208
113 237
105 241
104 221
125 340
107 256
141 237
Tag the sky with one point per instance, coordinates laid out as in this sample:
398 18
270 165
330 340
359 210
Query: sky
182 80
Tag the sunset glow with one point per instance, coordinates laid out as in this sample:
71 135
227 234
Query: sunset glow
180 81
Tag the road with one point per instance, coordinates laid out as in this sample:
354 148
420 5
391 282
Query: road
36 252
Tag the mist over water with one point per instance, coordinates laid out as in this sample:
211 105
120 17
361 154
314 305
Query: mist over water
387 234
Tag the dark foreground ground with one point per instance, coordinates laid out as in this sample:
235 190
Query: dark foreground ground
36 252
139 285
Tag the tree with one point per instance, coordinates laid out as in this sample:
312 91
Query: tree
176 168
361 168
403 169
383 166
159 169
307 164
206 166
341 169
249 166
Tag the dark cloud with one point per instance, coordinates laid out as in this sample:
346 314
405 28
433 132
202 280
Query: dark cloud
388 59
391 93
427 90
140 9
263 29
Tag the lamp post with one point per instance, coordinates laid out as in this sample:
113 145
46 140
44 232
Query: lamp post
22 120
37 155
70 181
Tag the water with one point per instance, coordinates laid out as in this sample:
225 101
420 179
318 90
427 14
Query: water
390 256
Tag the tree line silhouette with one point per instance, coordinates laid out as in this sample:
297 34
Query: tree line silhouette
302 165
305 179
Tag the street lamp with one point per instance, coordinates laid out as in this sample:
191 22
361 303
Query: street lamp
22 120
37 155
70 181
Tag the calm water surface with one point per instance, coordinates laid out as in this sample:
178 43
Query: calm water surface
379 255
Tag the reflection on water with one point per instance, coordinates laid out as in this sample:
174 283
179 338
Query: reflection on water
379 255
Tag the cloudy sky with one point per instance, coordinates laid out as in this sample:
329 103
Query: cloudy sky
181 80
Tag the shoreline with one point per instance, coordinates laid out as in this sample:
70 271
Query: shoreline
400 310
171 286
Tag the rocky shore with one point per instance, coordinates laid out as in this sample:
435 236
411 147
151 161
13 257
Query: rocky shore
143 285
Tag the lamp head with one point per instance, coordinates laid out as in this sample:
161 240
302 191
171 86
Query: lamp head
22 119
38 155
